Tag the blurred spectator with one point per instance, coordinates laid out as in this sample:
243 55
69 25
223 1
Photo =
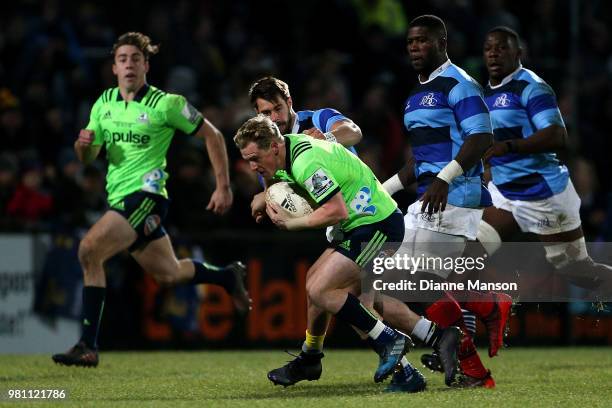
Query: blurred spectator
8 184
30 203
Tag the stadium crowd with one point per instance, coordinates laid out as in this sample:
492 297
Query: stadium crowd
346 54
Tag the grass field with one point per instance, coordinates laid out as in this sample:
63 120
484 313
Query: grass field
539 377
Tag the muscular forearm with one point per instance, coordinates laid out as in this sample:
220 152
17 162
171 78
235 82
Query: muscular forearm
217 152
473 150
347 134
85 153
312 221
550 139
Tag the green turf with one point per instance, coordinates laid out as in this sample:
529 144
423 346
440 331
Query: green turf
539 377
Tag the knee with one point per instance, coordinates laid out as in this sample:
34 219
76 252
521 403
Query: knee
165 279
166 274
88 254
313 291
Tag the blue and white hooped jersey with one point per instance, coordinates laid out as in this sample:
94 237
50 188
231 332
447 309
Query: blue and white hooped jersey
322 119
521 105
439 115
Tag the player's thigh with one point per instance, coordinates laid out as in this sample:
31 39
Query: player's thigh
312 271
503 221
336 271
158 258
109 235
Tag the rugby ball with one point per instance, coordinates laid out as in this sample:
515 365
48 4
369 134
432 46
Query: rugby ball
296 205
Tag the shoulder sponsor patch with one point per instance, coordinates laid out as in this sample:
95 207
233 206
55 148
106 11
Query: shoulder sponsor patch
190 113
318 184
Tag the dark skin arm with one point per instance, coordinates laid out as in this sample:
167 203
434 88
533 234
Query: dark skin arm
550 139
406 173
471 152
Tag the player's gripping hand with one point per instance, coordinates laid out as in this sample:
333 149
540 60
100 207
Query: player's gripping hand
497 149
86 137
315 133
435 197
221 200
258 207
278 216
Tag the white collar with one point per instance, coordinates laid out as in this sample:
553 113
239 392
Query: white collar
436 71
507 78
296 124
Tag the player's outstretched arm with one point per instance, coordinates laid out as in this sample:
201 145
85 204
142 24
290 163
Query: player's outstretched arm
84 148
330 213
345 132
222 198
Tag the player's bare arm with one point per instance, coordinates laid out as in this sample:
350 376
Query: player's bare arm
345 132
85 150
550 139
471 152
222 197
330 213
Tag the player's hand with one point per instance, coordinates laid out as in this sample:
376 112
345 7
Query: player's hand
221 200
496 150
86 137
435 197
314 132
278 216
258 207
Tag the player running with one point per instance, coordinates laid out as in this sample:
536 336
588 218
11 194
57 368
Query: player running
136 122
338 182
271 97
450 130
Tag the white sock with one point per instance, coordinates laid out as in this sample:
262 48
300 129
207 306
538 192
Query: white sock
422 329
404 362
378 328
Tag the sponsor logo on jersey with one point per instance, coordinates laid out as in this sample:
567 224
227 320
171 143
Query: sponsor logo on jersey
361 202
190 113
126 137
107 115
143 118
318 184
501 101
151 223
428 100
346 245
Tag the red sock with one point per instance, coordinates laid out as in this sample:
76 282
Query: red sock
445 312
479 303
469 360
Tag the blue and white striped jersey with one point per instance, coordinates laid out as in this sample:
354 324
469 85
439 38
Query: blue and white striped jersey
439 115
521 105
322 119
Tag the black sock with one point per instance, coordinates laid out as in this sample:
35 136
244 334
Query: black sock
93 306
207 273
353 312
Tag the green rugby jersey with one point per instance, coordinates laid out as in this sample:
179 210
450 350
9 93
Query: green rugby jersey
137 135
323 168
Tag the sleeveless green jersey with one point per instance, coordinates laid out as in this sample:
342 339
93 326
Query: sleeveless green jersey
324 169
137 135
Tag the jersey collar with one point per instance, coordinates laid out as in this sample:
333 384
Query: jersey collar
507 78
288 154
138 97
436 72
296 124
